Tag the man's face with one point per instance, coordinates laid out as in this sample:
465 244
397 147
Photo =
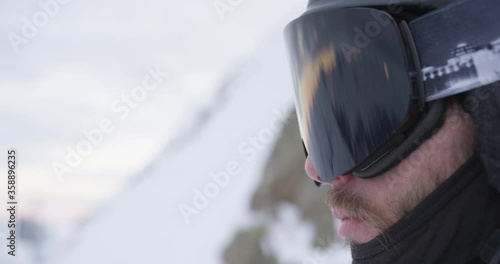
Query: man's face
367 207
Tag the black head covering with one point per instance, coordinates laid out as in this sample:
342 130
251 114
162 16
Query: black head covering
432 4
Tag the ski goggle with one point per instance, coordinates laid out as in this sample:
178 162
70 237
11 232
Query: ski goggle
363 78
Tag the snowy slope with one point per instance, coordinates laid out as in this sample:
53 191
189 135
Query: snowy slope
144 224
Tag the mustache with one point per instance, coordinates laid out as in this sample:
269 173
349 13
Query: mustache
357 206
341 198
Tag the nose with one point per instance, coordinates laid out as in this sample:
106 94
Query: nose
311 171
313 174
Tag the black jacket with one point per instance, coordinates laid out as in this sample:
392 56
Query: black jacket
451 225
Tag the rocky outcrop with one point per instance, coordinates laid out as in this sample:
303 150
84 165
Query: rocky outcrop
283 181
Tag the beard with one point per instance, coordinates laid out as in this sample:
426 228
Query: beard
381 217
357 206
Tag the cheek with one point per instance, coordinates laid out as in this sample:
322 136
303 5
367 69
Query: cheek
373 190
378 191
396 183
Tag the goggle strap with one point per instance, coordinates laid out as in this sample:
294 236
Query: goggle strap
458 47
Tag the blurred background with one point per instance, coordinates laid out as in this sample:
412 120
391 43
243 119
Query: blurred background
156 132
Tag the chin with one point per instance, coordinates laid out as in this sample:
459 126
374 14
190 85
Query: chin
356 231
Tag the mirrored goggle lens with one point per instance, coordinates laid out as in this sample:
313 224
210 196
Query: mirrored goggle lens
351 85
